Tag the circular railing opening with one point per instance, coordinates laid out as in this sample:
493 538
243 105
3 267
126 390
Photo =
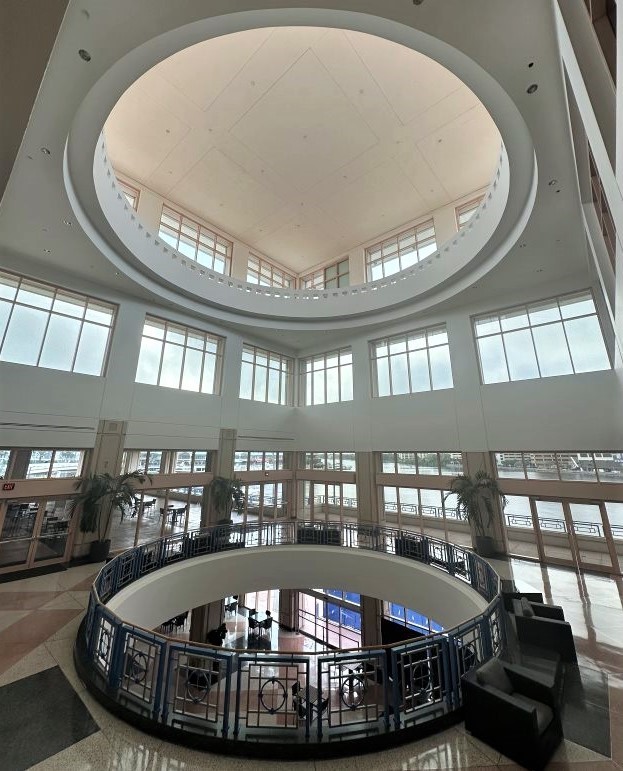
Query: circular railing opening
276 702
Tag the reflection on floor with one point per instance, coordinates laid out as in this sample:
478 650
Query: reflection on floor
39 618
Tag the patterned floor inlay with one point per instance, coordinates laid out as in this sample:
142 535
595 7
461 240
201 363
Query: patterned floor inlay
40 715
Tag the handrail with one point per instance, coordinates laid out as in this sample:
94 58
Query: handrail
145 671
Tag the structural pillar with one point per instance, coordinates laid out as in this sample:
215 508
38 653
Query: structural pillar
367 491
223 467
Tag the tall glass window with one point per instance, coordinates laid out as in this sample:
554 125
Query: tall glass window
401 251
266 376
329 461
327 377
195 241
332 276
264 273
45 326
254 460
564 466
465 212
412 362
180 357
55 464
560 336
130 193
424 463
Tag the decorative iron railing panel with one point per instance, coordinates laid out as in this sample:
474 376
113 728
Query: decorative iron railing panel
260 695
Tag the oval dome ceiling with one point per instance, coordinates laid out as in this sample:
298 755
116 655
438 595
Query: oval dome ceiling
303 142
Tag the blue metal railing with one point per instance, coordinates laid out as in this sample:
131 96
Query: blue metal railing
235 693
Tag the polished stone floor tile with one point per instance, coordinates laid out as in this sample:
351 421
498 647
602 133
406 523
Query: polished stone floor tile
35 661
41 715
18 600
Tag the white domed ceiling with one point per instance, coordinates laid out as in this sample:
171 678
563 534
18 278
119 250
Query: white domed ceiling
303 142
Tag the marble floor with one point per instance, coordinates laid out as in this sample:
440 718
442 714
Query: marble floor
39 618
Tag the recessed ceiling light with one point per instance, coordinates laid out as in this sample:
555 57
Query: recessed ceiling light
522 246
48 251
552 182
558 191
68 223
532 88
45 151
85 55
539 270
530 64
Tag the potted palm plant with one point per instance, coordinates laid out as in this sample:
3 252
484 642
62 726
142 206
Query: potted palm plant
226 495
98 495
474 502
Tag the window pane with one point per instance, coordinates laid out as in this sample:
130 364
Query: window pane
382 369
333 386
551 348
24 335
149 361
208 381
91 349
69 305
587 346
38 295
171 366
347 382
5 310
273 386
492 359
577 305
246 380
400 377
319 387
520 355
60 343
420 379
259 389
191 378
441 370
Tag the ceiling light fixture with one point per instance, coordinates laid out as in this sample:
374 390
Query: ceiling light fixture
532 88
45 151
84 54
48 251
552 182
67 222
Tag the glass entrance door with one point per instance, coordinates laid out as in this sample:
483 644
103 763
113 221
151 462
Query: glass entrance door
34 533
554 537
590 529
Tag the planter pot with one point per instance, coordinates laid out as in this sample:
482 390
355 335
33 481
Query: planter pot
99 550
485 546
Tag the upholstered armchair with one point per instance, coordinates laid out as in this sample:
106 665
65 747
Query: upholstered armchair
514 710
544 626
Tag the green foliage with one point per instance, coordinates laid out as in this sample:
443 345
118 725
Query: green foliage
100 494
475 497
226 495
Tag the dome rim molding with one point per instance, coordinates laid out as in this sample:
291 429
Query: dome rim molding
97 203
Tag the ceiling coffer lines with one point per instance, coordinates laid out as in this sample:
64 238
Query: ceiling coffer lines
361 159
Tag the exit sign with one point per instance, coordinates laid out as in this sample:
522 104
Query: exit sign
8 486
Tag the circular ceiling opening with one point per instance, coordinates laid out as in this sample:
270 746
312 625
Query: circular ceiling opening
303 143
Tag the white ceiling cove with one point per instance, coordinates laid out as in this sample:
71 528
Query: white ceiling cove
303 142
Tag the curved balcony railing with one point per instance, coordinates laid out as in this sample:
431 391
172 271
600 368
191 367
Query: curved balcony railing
272 696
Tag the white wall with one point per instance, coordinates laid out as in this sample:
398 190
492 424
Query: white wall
46 408
174 589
